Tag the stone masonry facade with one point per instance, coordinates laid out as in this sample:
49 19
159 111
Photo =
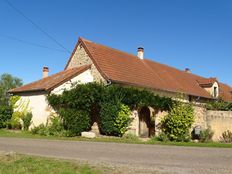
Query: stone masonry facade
218 121
80 58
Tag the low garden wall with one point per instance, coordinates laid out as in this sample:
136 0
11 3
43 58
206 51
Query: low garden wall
218 121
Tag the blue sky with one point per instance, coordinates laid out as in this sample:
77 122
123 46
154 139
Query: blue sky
195 33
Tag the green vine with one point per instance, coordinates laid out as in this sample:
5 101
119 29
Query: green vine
92 98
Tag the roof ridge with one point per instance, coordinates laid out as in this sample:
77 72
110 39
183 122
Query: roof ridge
145 59
115 49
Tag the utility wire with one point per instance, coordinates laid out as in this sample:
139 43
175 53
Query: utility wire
30 43
36 26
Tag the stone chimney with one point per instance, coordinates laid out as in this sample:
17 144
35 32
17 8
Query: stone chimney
140 53
45 72
187 70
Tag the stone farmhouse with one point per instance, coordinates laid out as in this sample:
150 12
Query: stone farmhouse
92 62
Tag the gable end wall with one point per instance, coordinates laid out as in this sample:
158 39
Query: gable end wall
80 58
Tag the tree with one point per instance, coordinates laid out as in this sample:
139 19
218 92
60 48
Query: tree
7 82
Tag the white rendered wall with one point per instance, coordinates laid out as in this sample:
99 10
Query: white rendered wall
38 105
37 101
82 78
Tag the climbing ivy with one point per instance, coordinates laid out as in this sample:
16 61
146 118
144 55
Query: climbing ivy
97 99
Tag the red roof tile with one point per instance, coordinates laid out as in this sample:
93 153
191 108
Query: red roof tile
206 82
225 92
124 68
51 82
121 67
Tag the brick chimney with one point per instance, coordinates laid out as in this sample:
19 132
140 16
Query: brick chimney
187 70
45 72
140 53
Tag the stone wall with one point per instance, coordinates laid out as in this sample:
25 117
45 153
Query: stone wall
219 121
80 58
200 117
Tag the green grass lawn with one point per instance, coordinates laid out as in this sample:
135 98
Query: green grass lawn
22 164
23 134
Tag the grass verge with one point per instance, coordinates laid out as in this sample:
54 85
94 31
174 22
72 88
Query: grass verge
23 164
130 140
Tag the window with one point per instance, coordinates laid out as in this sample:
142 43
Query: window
215 92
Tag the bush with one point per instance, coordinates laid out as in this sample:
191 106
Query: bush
41 130
5 115
226 137
75 121
114 118
54 128
123 119
15 122
130 137
176 125
219 106
161 137
206 135
27 120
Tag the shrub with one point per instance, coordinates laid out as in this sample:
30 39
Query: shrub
114 118
219 105
130 137
123 119
206 135
176 125
226 137
55 127
41 130
5 115
27 120
15 122
14 99
161 137
108 113
75 121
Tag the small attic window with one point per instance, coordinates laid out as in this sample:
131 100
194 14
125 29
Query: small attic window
215 92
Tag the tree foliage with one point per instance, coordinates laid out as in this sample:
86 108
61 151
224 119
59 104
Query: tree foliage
7 82
5 115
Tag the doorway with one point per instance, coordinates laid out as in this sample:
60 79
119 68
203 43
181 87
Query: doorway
144 122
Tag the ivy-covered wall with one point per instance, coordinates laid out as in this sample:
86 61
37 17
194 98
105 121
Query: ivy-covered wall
104 104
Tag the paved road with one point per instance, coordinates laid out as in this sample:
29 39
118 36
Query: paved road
153 158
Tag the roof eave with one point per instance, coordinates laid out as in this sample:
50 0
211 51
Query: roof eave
27 91
136 85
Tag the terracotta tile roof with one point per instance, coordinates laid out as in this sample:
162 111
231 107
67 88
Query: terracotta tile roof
121 67
206 82
51 82
225 92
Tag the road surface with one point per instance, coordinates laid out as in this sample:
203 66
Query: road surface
134 158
